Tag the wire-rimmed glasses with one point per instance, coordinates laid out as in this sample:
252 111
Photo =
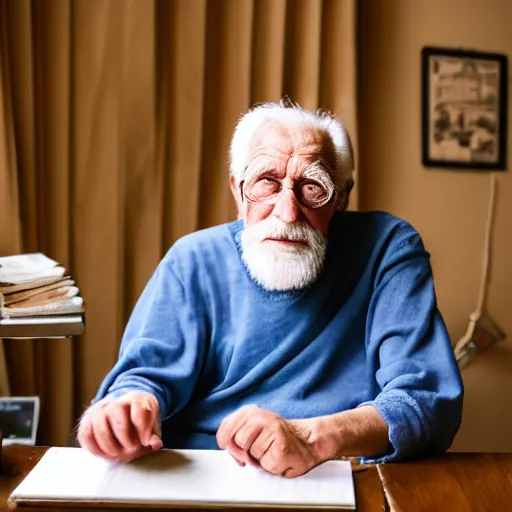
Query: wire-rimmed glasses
310 192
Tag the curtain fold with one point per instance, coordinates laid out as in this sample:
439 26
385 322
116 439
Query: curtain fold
303 55
10 225
181 68
269 29
51 56
115 122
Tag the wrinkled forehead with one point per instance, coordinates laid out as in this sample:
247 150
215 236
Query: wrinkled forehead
276 141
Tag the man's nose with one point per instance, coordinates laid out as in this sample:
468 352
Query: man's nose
287 207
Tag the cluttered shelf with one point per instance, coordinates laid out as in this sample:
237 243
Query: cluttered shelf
38 299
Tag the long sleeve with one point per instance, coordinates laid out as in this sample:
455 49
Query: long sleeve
163 345
421 389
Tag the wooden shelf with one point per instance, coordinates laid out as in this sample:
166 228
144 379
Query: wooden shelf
54 326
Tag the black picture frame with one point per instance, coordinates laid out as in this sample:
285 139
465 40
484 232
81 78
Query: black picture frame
464 109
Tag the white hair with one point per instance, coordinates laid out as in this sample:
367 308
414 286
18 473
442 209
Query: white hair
288 113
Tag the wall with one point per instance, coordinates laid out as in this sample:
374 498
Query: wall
447 207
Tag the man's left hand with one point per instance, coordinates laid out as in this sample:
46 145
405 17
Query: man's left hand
265 439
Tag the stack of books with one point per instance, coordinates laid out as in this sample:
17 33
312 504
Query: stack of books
36 291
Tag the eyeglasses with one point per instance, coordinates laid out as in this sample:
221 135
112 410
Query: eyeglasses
310 192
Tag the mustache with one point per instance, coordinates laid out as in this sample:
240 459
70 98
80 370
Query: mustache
273 228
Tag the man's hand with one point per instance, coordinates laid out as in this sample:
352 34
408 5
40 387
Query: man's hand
122 429
265 439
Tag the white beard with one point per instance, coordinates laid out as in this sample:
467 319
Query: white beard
280 267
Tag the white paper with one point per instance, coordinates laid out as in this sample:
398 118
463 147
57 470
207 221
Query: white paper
32 261
30 275
24 267
181 477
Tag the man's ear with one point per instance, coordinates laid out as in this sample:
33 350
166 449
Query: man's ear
235 190
345 194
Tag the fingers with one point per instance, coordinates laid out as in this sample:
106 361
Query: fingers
104 436
155 443
123 429
273 461
264 439
286 457
238 432
239 462
233 423
145 420
246 436
86 437
262 444
241 456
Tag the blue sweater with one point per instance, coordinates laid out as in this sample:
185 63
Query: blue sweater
205 338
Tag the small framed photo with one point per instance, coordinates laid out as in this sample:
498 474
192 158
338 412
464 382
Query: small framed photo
464 109
19 418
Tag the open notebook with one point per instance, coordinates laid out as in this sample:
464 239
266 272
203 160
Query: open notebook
179 478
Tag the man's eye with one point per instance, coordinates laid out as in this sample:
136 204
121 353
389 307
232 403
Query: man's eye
268 183
265 187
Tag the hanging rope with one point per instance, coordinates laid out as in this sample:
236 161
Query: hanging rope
484 283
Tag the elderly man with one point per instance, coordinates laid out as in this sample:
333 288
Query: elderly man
300 333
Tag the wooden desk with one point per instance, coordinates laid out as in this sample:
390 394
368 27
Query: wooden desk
452 482
17 461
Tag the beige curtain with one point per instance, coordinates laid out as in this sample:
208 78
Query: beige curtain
115 120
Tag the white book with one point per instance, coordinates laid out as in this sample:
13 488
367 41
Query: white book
180 478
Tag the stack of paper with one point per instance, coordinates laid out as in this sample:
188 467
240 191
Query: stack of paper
33 285
201 478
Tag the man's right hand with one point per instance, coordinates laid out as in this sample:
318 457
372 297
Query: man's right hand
121 429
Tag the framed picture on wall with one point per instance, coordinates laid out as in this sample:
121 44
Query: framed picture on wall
464 109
